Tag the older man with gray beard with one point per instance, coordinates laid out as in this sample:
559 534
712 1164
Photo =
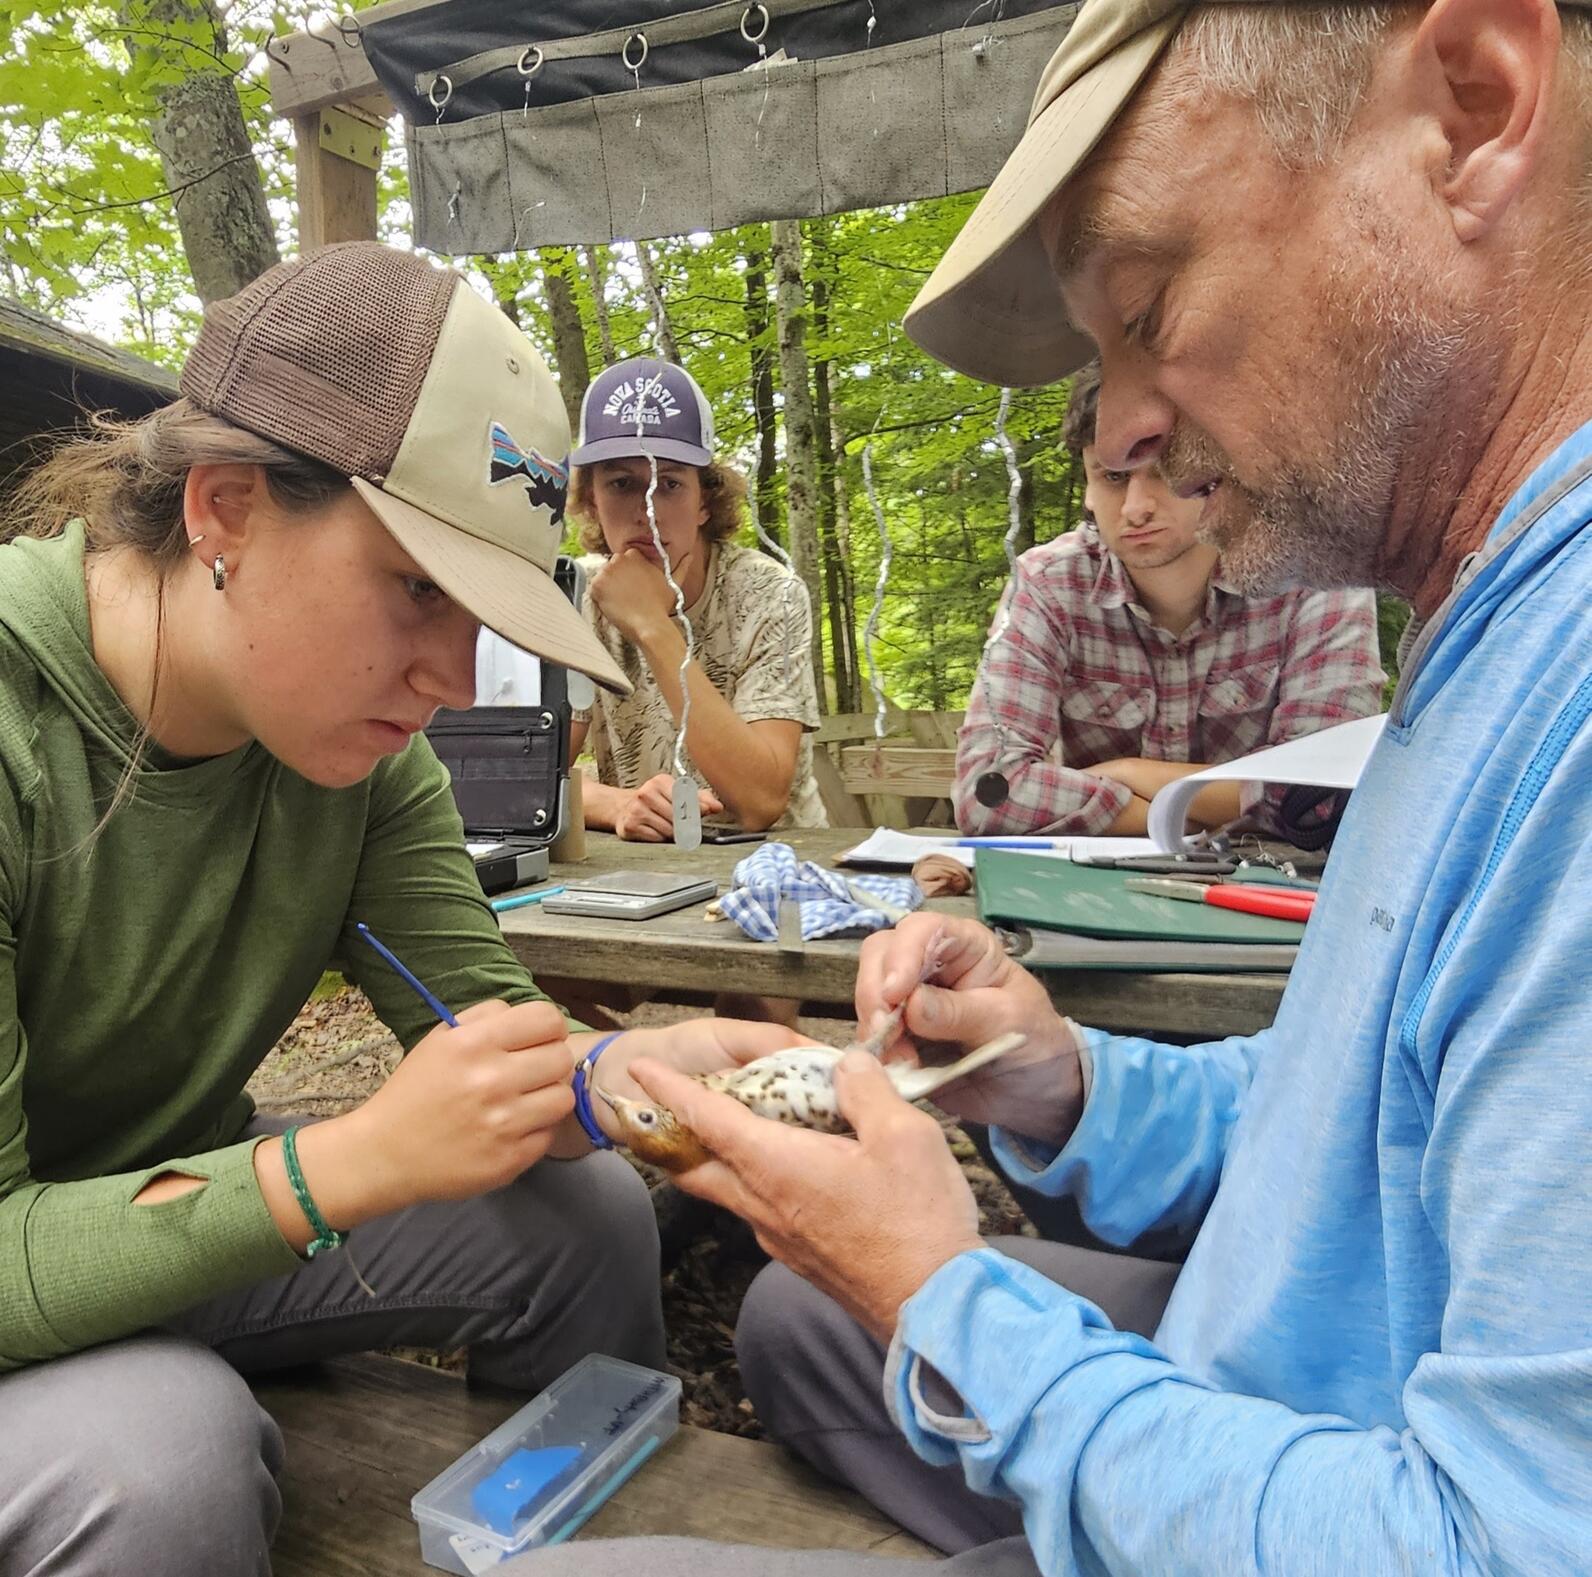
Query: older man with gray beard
1337 261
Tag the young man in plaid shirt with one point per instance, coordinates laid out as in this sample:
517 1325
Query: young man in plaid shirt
1127 661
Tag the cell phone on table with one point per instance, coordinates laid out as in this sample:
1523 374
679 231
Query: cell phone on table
720 833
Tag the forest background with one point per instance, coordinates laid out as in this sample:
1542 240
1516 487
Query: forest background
142 173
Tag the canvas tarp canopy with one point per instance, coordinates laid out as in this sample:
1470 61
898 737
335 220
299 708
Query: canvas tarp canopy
568 121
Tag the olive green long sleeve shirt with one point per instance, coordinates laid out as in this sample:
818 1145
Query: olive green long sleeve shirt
145 971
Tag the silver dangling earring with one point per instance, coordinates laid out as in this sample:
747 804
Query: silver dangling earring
218 573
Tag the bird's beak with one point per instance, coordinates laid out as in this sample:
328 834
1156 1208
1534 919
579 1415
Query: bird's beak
604 1097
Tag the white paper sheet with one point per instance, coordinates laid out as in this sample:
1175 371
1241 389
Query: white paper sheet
884 846
1333 758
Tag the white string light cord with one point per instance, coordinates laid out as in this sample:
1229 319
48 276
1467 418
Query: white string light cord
634 68
992 787
687 818
871 628
674 585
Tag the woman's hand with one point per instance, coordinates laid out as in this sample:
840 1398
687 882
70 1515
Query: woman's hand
467 1111
647 816
977 993
703 1045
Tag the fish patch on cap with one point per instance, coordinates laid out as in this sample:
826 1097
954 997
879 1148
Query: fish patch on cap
546 481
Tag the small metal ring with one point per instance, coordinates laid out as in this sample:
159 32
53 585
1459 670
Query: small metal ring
444 81
624 54
351 32
525 54
762 32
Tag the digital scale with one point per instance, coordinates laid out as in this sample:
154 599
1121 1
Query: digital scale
631 895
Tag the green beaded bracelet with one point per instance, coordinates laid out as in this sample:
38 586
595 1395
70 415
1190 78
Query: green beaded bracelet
324 1236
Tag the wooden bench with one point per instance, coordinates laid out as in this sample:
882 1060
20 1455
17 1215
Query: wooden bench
363 1434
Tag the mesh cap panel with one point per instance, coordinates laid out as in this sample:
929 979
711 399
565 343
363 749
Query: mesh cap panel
325 354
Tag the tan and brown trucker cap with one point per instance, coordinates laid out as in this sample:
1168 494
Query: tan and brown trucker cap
398 374
991 307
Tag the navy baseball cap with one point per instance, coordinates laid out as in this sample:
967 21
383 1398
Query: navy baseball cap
644 406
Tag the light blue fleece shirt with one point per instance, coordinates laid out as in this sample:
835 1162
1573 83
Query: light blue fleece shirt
1378 1359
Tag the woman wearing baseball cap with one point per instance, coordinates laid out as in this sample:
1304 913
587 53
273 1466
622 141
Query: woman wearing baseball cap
753 699
222 630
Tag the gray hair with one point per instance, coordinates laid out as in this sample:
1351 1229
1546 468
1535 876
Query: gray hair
1306 67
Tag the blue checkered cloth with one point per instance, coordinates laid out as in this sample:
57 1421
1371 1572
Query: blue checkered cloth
830 904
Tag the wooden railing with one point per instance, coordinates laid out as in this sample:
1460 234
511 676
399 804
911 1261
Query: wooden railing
903 780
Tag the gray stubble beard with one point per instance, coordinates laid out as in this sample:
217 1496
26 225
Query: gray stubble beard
1326 526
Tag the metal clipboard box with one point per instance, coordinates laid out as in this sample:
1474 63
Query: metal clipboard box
510 771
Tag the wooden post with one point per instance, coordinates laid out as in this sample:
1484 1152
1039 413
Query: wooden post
338 156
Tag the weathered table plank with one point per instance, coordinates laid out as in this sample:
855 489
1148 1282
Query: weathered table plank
684 951
363 1434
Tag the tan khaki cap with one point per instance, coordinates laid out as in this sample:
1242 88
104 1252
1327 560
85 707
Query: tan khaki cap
991 308
396 373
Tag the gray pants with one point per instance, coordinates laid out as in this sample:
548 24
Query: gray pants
149 1457
817 1380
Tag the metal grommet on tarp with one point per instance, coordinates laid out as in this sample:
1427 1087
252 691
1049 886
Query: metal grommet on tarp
746 16
445 82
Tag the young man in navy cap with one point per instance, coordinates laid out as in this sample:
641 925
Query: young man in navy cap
753 698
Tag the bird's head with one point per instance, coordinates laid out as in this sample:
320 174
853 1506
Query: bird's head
653 1133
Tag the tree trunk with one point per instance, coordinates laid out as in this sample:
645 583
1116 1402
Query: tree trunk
823 423
597 275
204 149
801 480
848 584
505 290
569 333
667 345
766 483
1027 452
1072 488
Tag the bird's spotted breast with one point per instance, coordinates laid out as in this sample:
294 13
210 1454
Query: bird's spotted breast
794 1086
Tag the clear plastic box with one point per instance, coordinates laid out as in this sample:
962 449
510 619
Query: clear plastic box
538 1476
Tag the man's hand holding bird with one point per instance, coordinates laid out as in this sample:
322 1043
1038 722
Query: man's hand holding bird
867 1219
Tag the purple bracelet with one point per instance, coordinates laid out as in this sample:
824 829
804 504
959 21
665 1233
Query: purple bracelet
583 1112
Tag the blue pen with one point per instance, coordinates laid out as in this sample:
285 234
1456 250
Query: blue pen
1008 843
519 900
434 1003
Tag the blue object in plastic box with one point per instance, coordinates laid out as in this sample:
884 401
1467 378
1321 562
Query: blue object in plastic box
537 1477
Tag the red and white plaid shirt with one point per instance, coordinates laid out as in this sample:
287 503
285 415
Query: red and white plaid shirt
1082 675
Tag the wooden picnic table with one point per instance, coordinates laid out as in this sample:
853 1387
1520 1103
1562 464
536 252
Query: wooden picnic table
685 952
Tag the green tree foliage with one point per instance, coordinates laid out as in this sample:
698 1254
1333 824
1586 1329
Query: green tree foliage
86 219
87 224
940 477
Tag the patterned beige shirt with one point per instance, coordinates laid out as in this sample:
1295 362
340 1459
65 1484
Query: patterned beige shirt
753 635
